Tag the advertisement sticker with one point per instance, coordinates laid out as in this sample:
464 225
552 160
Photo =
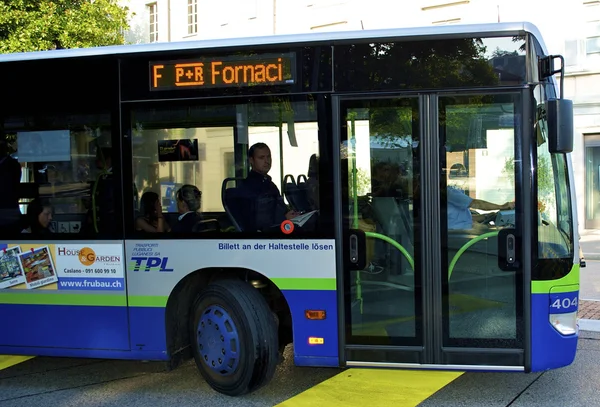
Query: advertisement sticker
97 267
38 267
10 267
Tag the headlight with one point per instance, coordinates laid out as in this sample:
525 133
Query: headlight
566 324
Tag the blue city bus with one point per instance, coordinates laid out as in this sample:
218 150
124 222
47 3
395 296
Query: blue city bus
397 198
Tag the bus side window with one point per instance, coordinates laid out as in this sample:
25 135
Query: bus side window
59 168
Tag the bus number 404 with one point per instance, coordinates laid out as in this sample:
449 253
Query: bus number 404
151 263
564 304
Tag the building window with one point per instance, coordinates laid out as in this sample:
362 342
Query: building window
153 28
592 45
571 52
192 13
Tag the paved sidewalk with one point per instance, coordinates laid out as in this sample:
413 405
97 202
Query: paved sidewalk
589 309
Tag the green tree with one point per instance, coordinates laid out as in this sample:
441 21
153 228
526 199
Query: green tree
38 25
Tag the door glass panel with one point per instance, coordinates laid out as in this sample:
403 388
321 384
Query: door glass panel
481 305
592 186
380 140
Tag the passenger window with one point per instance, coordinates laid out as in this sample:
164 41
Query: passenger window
64 186
208 150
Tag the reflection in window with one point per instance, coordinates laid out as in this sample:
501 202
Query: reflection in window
61 165
479 140
463 62
380 150
479 135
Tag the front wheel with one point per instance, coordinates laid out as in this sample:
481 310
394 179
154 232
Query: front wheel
234 337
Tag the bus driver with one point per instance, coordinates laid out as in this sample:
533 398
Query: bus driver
459 215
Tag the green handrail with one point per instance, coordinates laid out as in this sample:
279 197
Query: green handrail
395 244
465 247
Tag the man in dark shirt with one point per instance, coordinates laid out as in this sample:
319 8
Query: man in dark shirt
264 207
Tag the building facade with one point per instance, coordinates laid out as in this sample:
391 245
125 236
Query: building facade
569 27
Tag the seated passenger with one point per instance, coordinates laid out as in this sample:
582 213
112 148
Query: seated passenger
151 219
459 215
188 205
39 216
264 207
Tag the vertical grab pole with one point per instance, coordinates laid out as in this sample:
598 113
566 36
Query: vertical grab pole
354 192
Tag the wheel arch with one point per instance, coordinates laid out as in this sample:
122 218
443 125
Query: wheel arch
185 292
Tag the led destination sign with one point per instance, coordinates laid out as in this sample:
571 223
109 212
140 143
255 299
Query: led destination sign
258 70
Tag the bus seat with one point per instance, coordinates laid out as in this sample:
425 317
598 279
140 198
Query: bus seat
291 191
303 203
301 179
233 202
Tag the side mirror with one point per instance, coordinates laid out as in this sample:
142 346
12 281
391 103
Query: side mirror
560 125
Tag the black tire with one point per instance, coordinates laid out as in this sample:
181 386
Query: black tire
255 337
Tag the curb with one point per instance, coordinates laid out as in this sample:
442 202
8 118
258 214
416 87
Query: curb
591 256
591 325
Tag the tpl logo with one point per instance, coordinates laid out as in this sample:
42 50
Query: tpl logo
141 263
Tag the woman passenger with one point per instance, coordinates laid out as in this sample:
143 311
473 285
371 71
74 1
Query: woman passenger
39 216
188 205
152 219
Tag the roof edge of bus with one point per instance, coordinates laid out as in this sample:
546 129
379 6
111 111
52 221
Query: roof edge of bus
492 29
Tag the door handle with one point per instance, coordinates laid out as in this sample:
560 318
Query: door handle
353 249
509 253
510 248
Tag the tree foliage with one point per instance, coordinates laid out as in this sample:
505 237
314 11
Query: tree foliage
37 25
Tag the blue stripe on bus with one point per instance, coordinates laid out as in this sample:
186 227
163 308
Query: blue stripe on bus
64 326
148 328
84 353
306 354
549 348
94 331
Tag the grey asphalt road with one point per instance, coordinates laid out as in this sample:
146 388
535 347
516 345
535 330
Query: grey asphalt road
571 386
48 382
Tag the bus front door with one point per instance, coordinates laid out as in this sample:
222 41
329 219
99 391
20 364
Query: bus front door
432 292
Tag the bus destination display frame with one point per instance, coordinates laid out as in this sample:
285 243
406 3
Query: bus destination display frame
272 69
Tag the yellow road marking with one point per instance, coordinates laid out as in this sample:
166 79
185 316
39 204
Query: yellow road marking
7 361
374 387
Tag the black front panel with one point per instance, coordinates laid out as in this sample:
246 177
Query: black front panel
60 118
